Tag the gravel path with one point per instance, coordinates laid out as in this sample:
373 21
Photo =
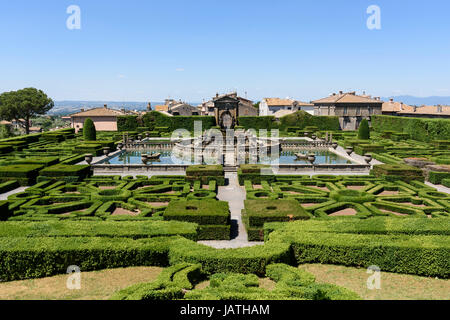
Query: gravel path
235 195
4 196
438 188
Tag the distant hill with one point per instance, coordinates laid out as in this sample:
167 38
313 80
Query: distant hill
418 101
68 107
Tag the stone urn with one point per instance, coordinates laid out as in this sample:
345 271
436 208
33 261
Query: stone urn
106 151
120 146
334 145
368 157
314 137
147 134
144 158
306 134
140 137
311 158
349 150
88 158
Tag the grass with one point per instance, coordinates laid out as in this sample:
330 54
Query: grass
98 285
393 286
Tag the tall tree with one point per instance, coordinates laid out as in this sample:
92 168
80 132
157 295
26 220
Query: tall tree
364 130
24 104
89 132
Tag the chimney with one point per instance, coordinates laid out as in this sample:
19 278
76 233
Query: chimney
391 99
82 110
341 92
415 108
401 106
439 108
105 106
149 106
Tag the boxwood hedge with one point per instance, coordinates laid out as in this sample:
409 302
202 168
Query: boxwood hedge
26 258
203 212
375 225
426 255
108 229
25 174
241 260
437 177
8 186
394 172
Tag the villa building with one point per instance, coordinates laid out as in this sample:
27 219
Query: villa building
246 107
427 112
392 108
16 124
162 108
349 107
177 108
104 119
272 106
184 109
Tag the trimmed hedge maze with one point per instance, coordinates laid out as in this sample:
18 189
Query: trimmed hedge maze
413 246
50 156
337 197
110 222
390 218
423 144
213 217
178 282
111 198
259 212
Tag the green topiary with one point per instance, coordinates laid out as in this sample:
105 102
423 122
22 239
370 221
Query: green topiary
89 132
351 196
364 131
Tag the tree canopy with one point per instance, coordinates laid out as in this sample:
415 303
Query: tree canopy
24 104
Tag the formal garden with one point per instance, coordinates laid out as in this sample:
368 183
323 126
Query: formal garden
57 213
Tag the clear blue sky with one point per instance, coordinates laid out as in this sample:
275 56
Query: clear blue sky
145 50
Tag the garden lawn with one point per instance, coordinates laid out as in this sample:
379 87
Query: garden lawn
393 286
97 285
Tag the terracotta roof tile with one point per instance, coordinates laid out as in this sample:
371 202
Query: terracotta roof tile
428 110
162 108
282 113
393 106
274 102
279 102
98 112
349 97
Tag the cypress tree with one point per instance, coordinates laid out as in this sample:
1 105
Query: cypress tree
89 132
364 131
